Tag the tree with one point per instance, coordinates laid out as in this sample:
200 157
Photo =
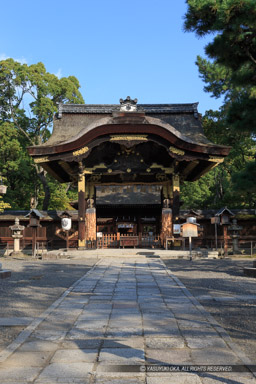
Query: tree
29 96
16 166
3 205
234 43
232 53
229 72
244 183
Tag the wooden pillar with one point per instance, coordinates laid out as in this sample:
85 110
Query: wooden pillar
34 233
176 197
91 233
225 238
166 230
81 211
90 214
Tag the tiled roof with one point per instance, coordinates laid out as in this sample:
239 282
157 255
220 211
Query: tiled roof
109 108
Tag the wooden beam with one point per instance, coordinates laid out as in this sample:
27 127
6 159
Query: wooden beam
189 168
208 168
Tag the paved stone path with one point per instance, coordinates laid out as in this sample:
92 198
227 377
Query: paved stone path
122 315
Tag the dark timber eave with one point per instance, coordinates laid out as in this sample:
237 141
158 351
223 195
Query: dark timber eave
80 129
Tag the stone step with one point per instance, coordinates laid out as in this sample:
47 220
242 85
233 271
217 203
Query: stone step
251 272
99 253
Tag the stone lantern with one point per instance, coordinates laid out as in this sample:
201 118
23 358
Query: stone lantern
34 223
225 214
17 230
235 229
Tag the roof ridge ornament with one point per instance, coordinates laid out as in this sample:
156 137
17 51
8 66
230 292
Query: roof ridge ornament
128 105
60 110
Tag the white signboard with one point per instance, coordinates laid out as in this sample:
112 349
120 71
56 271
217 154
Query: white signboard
99 234
66 223
189 230
176 229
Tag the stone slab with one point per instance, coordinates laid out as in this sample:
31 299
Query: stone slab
4 273
27 359
214 356
168 356
38 346
50 335
75 356
164 342
119 380
63 371
25 374
77 333
173 378
15 321
131 342
81 343
122 355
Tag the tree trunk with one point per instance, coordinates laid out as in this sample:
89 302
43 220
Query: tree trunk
47 193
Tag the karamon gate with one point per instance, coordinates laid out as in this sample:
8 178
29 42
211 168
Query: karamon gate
128 161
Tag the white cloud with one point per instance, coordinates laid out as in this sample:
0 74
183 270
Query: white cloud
59 73
21 60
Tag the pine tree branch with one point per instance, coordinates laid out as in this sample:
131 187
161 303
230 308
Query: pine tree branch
250 56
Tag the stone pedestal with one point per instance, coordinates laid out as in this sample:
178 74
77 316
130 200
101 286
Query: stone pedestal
91 229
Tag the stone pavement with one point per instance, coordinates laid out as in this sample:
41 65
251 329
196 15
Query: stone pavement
125 314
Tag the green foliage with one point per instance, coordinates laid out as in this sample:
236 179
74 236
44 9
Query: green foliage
3 205
61 195
229 72
232 53
29 97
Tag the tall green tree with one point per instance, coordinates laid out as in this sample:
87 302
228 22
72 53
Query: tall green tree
229 72
29 97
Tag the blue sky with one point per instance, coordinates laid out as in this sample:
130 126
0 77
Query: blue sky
114 48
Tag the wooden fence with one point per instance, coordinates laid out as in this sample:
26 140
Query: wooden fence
119 241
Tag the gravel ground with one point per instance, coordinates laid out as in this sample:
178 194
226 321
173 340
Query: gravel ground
33 287
223 278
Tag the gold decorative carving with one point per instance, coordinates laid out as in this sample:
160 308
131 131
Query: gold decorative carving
41 160
128 137
80 151
91 170
177 151
81 183
128 170
161 177
216 159
148 170
95 178
109 170
164 169
176 183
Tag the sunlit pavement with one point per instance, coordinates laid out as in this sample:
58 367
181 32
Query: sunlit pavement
126 321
